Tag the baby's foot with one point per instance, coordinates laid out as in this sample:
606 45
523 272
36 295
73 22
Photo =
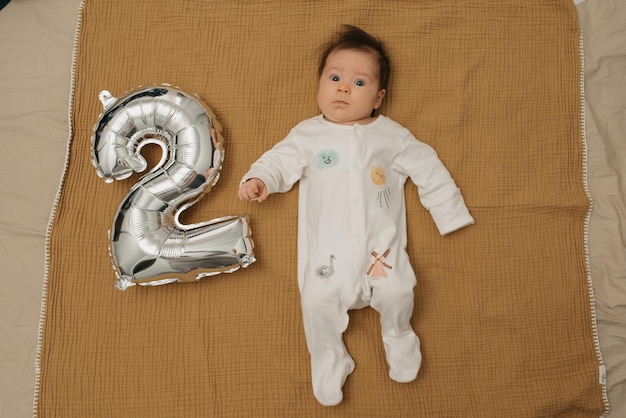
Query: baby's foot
327 386
404 357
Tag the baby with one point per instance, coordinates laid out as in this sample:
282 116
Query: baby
352 167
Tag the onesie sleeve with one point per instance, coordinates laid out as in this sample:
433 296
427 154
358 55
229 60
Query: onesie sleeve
437 190
280 167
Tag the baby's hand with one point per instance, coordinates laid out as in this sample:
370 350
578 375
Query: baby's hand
253 189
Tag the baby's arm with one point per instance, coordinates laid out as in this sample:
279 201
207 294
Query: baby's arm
275 171
438 192
253 189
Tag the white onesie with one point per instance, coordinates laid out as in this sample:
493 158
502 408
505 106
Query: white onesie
352 234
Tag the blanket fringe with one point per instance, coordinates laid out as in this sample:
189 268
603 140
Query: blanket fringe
596 339
42 314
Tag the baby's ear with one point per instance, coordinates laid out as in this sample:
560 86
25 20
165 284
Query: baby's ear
379 98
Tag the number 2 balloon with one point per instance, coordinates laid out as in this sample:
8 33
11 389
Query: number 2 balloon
148 244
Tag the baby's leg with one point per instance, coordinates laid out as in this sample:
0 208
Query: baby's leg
325 320
394 301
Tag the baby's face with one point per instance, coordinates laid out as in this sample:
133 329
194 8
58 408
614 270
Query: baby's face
349 87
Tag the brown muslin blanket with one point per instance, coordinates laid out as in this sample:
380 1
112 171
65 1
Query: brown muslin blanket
503 308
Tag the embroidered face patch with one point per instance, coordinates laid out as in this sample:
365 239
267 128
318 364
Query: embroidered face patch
327 159
378 177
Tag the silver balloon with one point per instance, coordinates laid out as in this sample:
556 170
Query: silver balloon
148 244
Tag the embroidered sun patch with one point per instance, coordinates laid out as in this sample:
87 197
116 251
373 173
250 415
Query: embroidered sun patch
327 159
378 177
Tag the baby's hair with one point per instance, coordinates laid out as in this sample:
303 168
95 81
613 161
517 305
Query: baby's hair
351 37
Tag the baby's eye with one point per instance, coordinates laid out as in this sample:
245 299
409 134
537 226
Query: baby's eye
359 83
334 77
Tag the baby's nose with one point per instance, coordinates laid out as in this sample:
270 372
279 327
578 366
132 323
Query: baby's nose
341 87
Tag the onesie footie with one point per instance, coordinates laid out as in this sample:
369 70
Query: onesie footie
403 356
328 380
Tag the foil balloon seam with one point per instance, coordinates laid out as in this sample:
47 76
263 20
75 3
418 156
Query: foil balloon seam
148 245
